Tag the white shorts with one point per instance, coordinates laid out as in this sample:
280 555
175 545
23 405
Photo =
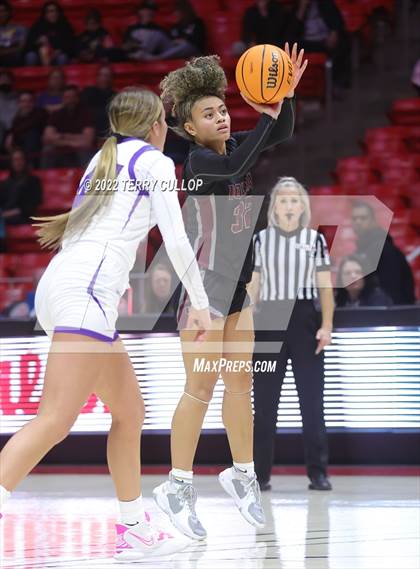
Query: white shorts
79 293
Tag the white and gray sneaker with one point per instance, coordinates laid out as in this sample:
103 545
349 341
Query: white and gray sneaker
177 499
246 493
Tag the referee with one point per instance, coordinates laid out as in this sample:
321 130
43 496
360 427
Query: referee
291 265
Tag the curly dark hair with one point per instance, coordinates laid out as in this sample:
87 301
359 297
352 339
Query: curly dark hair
180 89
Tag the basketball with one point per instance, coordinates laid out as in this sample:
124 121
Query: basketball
264 74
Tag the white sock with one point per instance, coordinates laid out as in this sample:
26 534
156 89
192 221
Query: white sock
245 467
4 496
132 512
185 476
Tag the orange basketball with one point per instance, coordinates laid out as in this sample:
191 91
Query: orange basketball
264 74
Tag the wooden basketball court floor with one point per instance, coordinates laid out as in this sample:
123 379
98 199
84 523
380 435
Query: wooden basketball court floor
366 522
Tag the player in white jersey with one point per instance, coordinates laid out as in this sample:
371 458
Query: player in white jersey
121 196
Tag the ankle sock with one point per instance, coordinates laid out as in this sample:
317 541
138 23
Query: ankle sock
245 467
132 512
185 476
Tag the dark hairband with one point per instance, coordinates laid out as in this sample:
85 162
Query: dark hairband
119 137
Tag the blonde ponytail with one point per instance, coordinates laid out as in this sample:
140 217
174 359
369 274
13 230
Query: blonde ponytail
52 229
131 113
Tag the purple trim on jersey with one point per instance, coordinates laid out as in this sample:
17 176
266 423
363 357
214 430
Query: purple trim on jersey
92 284
85 332
82 190
131 172
134 159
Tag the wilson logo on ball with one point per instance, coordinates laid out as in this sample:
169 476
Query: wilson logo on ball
273 71
264 74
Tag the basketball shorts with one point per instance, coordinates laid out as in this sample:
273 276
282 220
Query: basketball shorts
225 297
80 294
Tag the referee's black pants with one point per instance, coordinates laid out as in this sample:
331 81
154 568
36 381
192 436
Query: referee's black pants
299 344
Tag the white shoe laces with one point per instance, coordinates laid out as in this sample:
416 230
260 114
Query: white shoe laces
252 486
187 494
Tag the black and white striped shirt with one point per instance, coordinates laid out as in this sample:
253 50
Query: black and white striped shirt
288 262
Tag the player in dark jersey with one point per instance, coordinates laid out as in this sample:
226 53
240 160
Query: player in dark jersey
221 217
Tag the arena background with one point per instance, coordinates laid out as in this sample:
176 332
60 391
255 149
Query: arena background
364 141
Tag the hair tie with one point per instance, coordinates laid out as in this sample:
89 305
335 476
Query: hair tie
119 137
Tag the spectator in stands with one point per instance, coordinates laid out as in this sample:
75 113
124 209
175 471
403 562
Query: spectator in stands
27 127
188 35
70 134
415 77
356 286
266 21
158 291
20 193
319 26
146 38
52 99
12 37
8 104
95 43
394 273
51 38
15 305
97 97
23 307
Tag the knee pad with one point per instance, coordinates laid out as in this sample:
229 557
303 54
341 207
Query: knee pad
196 398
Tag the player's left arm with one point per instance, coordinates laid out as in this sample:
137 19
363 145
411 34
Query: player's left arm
285 123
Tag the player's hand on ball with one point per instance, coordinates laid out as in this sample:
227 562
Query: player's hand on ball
199 320
299 65
272 110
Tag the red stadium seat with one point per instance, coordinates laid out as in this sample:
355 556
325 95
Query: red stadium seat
384 140
59 188
411 136
325 191
353 13
236 7
25 264
31 78
313 84
412 193
243 118
35 78
394 203
144 73
22 238
370 6
223 30
4 266
233 96
405 112
355 171
400 170
206 7
81 74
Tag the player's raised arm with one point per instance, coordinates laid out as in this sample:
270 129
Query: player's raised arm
168 214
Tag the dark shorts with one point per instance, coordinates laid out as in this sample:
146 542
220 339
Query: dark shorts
225 297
